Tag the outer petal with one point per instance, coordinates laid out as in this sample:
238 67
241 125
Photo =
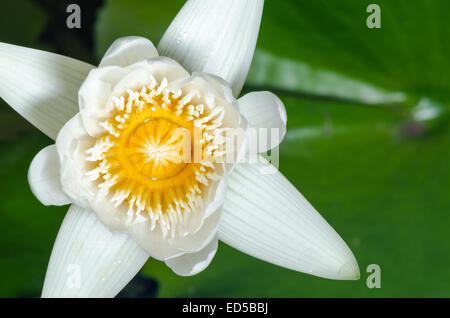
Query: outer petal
266 217
193 263
265 110
216 37
44 178
41 86
128 50
88 260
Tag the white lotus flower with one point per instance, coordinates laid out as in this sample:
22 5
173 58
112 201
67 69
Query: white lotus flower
119 163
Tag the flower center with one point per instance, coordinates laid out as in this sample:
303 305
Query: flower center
146 161
155 151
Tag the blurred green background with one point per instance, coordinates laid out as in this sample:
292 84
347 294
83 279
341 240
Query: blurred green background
368 141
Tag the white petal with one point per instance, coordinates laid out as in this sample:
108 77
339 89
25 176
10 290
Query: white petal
152 241
266 217
216 37
94 94
44 178
71 144
72 131
41 86
221 87
191 236
128 50
199 239
265 110
215 93
162 67
143 73
193 263
88 260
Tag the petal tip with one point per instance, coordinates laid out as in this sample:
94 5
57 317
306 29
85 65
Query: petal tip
349 271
